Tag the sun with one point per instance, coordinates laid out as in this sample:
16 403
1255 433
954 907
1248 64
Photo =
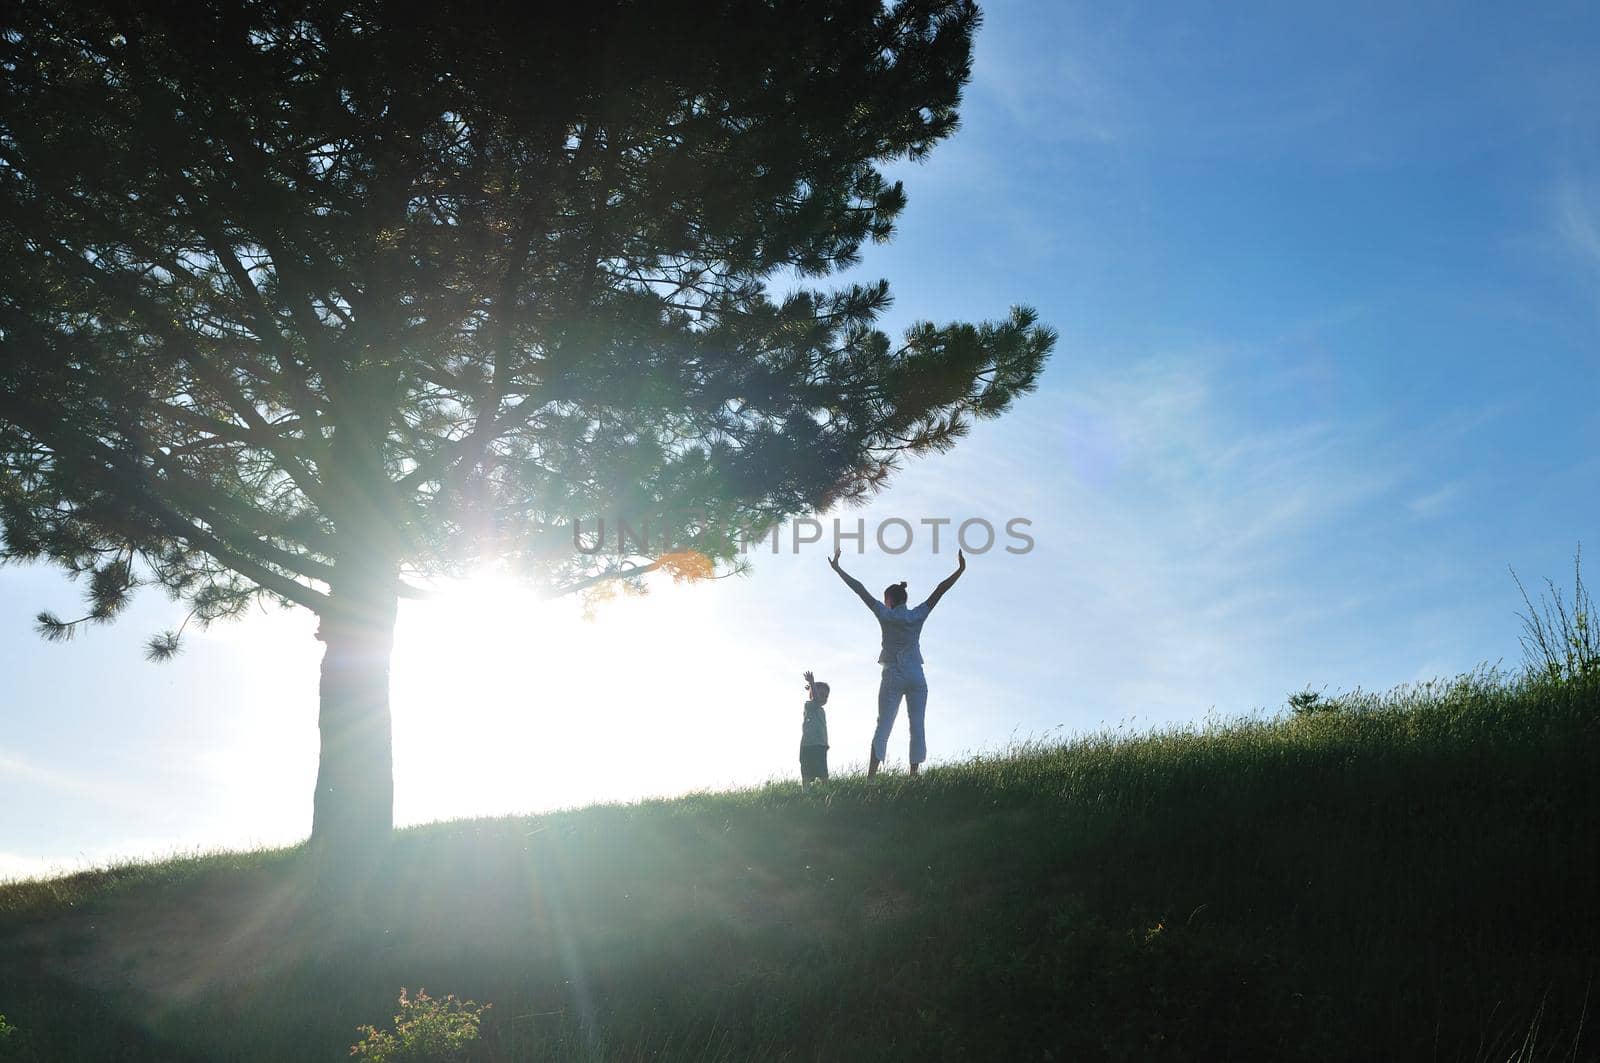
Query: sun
471 676
504 701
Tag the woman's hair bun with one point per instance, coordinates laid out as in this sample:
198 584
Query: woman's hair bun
903 584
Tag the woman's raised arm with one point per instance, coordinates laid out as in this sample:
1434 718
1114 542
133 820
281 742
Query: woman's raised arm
949 581
853 583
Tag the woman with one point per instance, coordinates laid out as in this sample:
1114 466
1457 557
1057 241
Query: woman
901 659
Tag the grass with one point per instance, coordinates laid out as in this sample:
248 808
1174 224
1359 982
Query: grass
1407 876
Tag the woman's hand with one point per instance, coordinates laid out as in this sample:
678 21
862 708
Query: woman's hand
853 583
961 561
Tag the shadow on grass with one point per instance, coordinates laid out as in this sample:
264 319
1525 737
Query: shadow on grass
1401 877
57 1019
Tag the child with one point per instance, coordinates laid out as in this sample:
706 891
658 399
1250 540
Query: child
814 734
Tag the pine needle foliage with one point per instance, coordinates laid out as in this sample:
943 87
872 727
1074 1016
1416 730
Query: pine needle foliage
322 302
286 283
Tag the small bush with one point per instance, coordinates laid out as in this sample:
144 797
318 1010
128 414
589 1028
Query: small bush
425 1031
1561 641
1311 703
13 1047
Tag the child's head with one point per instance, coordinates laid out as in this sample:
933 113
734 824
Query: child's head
895 596
819 692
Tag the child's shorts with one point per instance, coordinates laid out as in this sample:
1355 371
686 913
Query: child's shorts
813 763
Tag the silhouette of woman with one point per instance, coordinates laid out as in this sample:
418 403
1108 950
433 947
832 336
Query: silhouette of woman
901 659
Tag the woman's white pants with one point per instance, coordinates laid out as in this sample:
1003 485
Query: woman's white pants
902 681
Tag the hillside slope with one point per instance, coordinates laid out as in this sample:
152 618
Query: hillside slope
1411 877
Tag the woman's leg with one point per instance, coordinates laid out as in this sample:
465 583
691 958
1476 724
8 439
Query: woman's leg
916 714
890 691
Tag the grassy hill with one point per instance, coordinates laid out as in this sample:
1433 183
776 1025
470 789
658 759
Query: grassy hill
1412 876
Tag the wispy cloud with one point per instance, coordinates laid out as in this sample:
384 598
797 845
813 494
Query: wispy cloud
1111 78
15 866
1182 506
1577 210
1064 99
1435 502
23 770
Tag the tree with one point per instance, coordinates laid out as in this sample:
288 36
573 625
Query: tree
316 302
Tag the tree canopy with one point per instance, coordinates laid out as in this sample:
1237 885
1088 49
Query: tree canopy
319 301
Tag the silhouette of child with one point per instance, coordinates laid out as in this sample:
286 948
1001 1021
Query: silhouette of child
814 733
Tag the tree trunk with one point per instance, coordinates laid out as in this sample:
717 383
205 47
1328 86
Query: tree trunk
354 805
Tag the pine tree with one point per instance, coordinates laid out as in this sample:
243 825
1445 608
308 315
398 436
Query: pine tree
319 302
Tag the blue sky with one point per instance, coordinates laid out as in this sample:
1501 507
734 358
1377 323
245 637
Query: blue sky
1328 288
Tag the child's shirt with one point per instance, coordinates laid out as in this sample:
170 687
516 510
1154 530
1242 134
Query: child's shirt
814 729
